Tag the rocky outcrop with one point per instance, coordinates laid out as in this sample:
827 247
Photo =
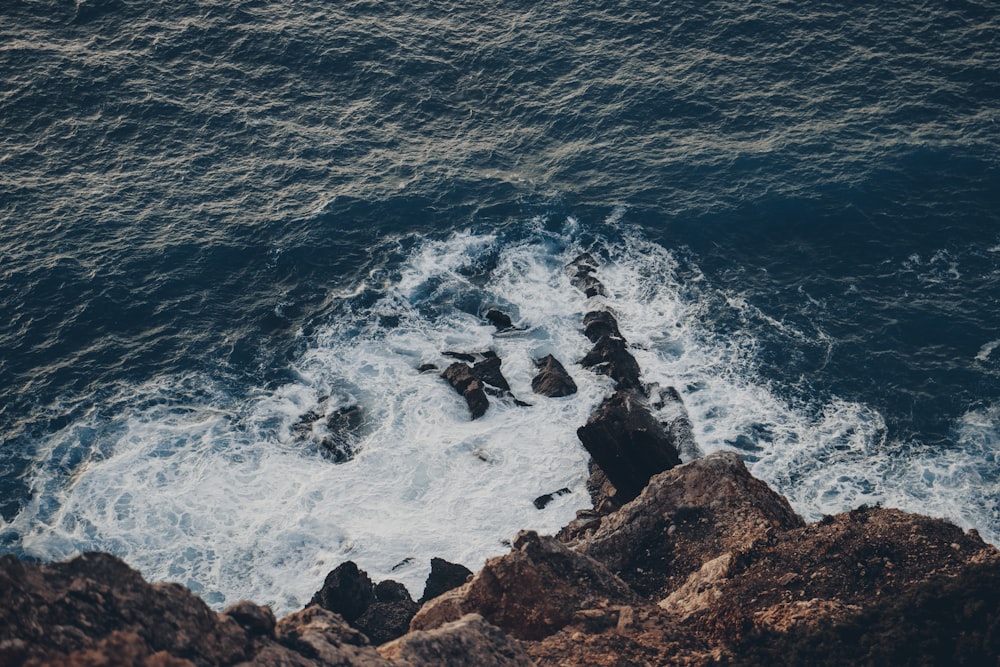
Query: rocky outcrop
499 319
459 375
381 611
627 442
552 379
532 592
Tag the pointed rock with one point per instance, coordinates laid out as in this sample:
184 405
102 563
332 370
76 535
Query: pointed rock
552 379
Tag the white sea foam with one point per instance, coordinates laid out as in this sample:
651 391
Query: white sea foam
190 484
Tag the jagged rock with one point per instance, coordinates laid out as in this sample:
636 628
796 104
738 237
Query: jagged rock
347 591
852 560
552 379
97 605
686 517
324 638
461 378
610 356
255 619
600 323
488 372
499 319
443 577
468 642
627 443
334 430
532 592
581 272
542 501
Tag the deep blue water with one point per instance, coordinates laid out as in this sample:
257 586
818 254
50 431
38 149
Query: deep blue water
202 203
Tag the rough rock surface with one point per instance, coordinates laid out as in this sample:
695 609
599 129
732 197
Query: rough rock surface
532 592
627 442
347 591
610 356
552 379
499 319
460 376
468 642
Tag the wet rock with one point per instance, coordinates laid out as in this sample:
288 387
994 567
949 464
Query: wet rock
426 368
581 271
461 356
552 379
461 378
444 576
600 323
673 416
627 442
610 356
347 591
467 642
335 430
541 502
530 593
488 372
499 319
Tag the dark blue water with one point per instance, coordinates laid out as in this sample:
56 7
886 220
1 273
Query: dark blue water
196 197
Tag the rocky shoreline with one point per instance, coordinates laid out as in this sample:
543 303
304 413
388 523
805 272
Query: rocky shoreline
697 563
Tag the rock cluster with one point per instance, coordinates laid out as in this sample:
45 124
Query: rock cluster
697 563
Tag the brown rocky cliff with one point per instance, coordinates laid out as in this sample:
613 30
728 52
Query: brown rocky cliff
706 565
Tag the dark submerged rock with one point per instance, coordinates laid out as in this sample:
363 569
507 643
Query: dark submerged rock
444 576
461 378
335 431
347 591
499 319
426 368
541 502
488 372
627 442
552 379
461 356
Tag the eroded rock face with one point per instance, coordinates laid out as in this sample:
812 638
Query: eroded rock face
347 591
627 443
552 379
686 517
467 642
532 592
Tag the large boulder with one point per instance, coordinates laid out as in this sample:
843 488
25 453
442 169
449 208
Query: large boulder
552 379
389 616
627 442
499 319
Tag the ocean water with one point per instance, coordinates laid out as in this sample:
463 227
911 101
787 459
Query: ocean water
218 216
